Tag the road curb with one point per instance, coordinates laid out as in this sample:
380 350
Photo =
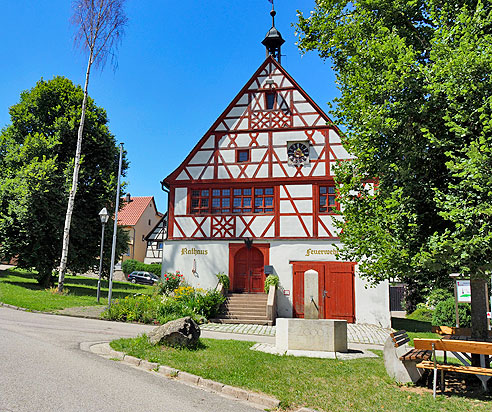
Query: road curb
258 399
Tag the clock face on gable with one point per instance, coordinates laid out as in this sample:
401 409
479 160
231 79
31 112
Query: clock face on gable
298 153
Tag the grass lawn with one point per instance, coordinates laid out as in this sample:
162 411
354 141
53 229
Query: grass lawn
322 384
19 288
422 335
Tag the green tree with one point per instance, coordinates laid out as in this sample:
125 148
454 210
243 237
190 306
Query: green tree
416 101
36 163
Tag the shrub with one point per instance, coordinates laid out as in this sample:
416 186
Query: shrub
187 301
203 302
155 268
138 308
223 280
169 282
444 314
436 296
271 280
423 314
130 265
171 309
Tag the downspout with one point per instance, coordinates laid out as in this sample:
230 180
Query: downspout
165 189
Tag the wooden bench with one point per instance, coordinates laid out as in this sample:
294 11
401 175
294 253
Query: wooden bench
400 338
461 349
400 359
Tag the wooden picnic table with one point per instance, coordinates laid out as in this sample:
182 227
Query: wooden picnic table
462 349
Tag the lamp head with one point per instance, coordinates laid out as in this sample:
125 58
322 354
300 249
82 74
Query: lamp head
103 214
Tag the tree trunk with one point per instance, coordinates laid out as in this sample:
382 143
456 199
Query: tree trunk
478 314
75 178
45 278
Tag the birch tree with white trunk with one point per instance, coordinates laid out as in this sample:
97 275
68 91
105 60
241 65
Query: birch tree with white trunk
99 28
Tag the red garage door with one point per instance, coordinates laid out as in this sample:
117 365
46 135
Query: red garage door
336 295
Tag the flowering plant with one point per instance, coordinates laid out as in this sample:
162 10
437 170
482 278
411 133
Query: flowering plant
169 282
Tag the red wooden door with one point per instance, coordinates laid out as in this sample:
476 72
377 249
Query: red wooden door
335 286
249 274
337 291
299 268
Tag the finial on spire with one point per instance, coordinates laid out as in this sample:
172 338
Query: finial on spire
273 39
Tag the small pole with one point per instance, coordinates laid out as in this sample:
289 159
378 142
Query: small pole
454 276
457 314
100 263
434 385
488 304
115 228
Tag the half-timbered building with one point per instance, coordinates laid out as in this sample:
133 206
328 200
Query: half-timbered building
256 194
155 241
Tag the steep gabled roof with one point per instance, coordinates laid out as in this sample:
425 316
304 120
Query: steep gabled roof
131 211
219 126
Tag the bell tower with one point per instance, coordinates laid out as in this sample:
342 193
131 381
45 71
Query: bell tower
273 40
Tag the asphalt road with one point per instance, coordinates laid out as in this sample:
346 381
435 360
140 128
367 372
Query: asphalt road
42 368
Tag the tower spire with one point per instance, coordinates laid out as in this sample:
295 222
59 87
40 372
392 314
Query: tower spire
273 39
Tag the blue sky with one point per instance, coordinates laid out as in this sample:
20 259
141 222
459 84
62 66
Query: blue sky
179 66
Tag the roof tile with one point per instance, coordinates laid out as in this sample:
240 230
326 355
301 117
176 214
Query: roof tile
131 212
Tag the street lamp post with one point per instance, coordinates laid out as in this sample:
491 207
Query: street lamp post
103 214
115 229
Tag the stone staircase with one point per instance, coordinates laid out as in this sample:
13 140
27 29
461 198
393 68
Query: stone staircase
244 308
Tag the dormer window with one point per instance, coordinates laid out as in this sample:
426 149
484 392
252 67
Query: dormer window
270 100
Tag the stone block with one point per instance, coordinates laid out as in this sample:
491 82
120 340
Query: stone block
132 360
311 297
263 400
148 365
116 355
329 335
168 371
236 392
188 377
210 384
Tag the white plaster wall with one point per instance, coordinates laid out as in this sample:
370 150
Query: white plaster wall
334 137
341 153
297 191
194 171
216 260
237 111
201 157
209 172
281 253
228 155
257 154
180 194
372 303
290 226
304 108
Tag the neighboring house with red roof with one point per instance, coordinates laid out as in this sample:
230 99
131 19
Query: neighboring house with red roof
138 217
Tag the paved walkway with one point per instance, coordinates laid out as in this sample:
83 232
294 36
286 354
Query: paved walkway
356 333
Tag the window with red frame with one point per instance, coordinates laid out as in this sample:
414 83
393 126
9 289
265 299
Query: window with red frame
200 201
242 200
221 201
242 156
263 200
236 200
327 199
270 99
